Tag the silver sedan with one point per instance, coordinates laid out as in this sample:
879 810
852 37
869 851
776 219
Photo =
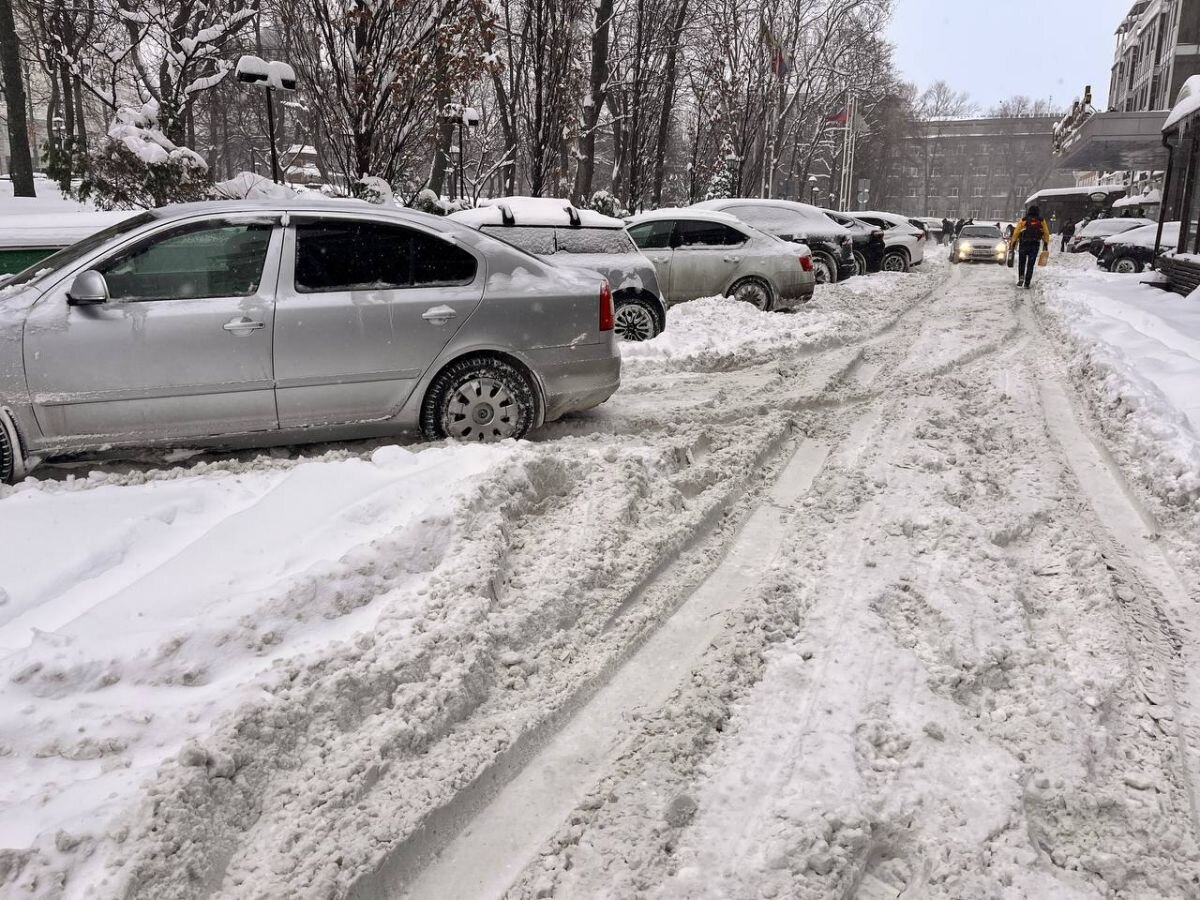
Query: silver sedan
251 324
701 253
979 243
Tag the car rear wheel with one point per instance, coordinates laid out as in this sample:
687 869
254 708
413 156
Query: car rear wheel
479 400
895 261
8 455
860 263
635 320
754 291
824 270
1126 265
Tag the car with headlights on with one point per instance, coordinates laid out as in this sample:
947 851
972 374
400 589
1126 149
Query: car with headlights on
979 243
831 245
583 239
703 253
1090 238
260 323
1132 251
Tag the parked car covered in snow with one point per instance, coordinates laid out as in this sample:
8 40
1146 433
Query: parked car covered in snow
831 245
248 323
979 243
1090 238
904 240
582 239
1133 250
702 253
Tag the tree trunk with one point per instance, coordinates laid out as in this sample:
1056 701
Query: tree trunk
586 170
668 102
14 99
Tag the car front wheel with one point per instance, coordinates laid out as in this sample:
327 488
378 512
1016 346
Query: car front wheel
1126 265
480 400
635 320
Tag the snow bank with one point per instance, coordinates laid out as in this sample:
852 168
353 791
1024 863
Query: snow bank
1146 235
1138 348
162 607
718 332
54 230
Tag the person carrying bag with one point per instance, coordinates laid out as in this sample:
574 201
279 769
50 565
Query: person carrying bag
1030 236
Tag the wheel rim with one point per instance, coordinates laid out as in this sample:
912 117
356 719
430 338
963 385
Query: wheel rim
753 293
860 264
482 409
893 262
1125 266
821 270
633 323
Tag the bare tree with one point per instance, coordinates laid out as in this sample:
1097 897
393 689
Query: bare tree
14 101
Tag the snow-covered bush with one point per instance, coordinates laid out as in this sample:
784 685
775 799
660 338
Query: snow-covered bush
250 186
374 189
427 201
606 204
137 166
721 185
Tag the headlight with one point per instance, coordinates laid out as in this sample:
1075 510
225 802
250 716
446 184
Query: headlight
965 247
1000 247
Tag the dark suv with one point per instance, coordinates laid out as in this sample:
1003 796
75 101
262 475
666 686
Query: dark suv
831 244
867 241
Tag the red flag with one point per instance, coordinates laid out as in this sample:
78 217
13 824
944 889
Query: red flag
839 118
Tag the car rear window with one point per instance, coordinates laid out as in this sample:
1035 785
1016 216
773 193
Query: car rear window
594 240
530 238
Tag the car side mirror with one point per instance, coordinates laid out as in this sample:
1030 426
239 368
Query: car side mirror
88 289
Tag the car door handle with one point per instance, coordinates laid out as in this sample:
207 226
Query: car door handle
243 325
658 259
439 315
732 259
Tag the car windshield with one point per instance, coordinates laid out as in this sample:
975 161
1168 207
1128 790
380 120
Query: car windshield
68 255
980 231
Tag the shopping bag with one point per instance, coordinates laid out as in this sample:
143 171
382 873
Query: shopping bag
1011 259
1043 257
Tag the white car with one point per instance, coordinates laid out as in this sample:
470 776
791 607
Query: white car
905 242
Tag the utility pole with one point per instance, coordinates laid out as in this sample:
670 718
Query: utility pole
14 100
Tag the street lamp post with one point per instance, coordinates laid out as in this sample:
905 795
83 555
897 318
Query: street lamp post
272 76
464 117
812 189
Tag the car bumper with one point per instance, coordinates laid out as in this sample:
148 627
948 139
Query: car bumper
577 378
981 255
794 291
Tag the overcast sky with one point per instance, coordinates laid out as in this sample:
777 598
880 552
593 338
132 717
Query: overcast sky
993 50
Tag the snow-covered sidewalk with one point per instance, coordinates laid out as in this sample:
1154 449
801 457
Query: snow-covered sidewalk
1136 349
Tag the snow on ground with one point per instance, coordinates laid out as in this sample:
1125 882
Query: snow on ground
1137 349
717 332
157 608
49 200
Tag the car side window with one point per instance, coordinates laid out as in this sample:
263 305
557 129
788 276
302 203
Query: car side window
652 235
697 233
439 263
350 255
195 261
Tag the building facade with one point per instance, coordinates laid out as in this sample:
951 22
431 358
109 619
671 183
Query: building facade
1157 50
979 168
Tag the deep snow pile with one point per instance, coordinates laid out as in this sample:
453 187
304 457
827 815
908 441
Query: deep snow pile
1136 349
719 333
134 616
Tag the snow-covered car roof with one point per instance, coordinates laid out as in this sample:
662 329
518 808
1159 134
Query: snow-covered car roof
546 212
894 218
686 212
805 210
1098 227
1145 235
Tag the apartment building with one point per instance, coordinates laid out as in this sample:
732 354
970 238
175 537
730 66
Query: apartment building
1157 50
980 168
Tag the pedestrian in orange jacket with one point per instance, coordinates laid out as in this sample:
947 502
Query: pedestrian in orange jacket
1032 234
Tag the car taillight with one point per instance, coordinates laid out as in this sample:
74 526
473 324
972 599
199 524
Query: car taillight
806 263
606 308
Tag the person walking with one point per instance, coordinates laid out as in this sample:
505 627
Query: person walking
1031 235
947 231
1068 232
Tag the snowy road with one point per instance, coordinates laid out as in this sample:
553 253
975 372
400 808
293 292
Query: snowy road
853 603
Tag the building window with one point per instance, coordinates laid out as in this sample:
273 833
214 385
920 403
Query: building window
974 214
952 193
977 191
